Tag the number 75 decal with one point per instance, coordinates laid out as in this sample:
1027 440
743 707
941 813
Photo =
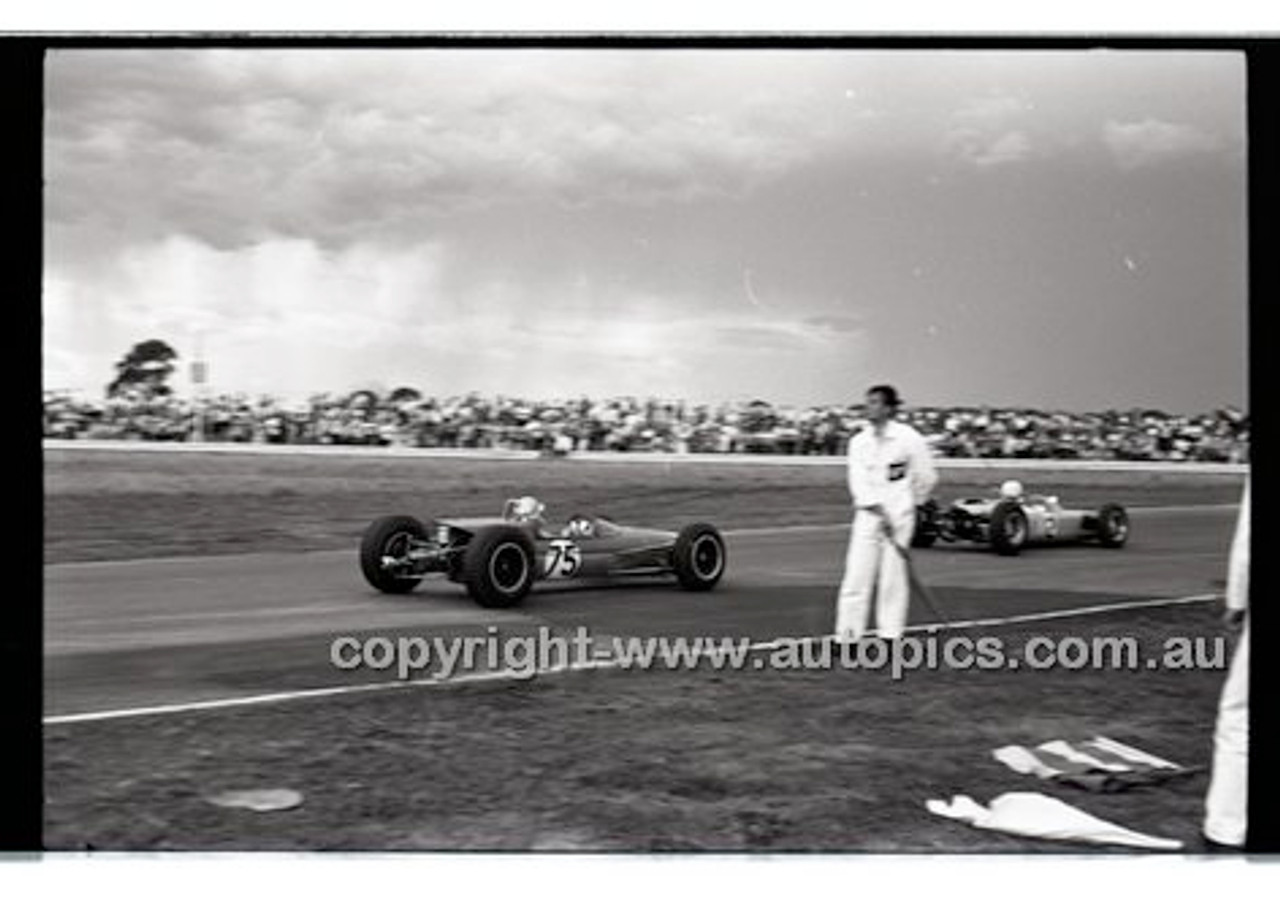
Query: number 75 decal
563 559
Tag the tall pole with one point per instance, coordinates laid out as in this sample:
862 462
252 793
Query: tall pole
199 374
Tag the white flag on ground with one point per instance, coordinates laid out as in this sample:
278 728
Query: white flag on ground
1037 815
1099 764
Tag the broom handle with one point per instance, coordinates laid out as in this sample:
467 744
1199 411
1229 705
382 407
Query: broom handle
914 578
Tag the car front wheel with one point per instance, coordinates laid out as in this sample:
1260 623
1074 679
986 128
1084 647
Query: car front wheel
498 566
1008 528
385 543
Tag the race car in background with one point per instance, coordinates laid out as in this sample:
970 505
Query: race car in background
1014 520
499 559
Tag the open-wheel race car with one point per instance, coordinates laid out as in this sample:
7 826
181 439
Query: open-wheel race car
499 559
1014 520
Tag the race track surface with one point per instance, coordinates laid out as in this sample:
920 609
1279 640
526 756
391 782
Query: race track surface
130 634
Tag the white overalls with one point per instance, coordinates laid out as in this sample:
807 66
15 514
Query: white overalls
894 470
1226 817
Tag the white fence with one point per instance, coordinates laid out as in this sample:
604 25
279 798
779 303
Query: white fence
498 454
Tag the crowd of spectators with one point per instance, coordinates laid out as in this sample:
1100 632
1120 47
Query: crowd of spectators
631 424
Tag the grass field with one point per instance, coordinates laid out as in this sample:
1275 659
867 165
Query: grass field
661 760
103 505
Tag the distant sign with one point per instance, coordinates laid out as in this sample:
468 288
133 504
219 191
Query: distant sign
199 372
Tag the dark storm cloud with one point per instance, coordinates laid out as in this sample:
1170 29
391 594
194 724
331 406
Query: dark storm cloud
233 146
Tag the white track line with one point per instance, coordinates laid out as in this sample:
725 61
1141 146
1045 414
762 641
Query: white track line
327 451
592 665
1067 613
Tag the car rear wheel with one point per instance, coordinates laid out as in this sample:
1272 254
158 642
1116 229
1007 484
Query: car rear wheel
1113 526
698 557
390 538
498 566
1008 528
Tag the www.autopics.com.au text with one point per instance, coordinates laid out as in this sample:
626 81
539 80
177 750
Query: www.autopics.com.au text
527 655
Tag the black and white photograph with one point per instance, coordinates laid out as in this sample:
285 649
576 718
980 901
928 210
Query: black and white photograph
646 446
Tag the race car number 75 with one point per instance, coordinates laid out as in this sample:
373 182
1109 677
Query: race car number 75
563 559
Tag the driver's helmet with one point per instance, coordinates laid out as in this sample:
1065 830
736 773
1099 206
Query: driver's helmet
527 508
1011 489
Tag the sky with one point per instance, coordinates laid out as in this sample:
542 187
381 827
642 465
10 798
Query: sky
1056 229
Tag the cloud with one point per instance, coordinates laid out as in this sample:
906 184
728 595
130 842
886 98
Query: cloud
984 150
1150 141
233 147
764 335
501 217
993 107
289 315
982 133
834 322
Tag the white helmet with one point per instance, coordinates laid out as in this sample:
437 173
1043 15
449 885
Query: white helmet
1011 489
527 508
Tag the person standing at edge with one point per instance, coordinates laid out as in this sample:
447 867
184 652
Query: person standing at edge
891 471
1225 817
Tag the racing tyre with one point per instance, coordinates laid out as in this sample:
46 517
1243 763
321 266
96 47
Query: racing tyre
1113 526
1008 528
389 537
926 531
698 557
498 566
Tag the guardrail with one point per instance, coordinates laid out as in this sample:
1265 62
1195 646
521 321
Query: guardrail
500 454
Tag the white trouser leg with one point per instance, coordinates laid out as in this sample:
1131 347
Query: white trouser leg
1225 805
861 564
894 589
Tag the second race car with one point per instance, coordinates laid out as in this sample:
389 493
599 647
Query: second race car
499 559
1014 520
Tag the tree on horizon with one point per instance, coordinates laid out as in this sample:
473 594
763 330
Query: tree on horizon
147 366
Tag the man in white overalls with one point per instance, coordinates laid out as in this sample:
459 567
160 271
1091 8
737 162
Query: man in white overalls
1226 816
890 472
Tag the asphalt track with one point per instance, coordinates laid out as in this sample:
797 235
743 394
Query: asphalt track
133 634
